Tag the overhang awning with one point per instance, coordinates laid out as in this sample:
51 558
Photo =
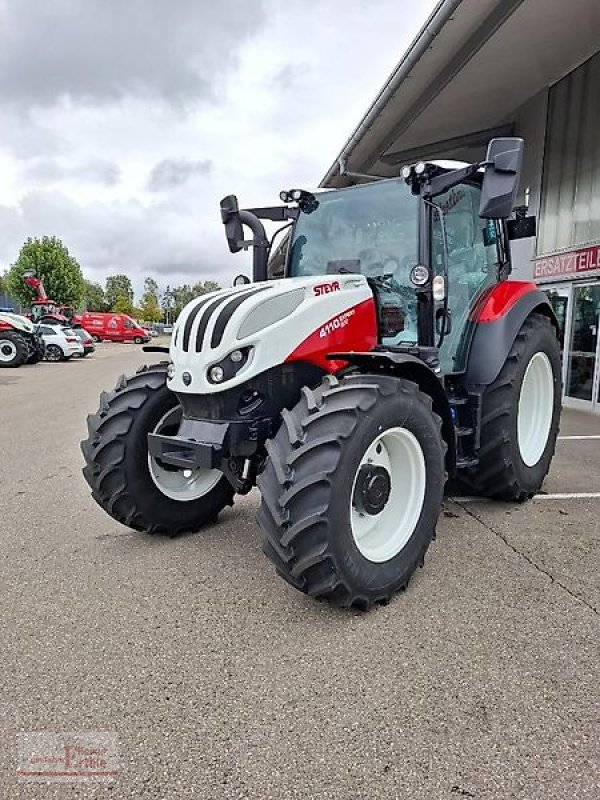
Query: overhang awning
464 78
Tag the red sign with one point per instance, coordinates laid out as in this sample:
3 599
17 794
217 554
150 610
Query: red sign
570 263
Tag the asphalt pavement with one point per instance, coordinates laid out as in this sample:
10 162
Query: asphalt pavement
220 681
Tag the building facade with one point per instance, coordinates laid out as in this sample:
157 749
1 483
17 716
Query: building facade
530 68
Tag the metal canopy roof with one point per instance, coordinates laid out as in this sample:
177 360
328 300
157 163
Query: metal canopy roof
462 80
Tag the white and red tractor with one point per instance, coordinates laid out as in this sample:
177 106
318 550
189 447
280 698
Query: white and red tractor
19 341
393 353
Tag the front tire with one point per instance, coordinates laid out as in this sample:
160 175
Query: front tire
13 349
352 489
520 417
126 481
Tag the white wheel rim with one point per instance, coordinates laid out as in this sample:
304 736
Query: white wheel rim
8 350
180 484
380 537
536 405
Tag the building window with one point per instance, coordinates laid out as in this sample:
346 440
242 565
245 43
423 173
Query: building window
570 209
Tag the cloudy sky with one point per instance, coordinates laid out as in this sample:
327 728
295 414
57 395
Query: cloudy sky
123 122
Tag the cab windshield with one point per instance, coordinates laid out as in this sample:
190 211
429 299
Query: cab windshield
371 230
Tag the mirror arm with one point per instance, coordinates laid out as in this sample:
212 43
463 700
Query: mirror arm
448 180
260 245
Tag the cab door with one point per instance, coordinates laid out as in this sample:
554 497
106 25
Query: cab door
474 256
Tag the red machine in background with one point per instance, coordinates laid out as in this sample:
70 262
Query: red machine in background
45 310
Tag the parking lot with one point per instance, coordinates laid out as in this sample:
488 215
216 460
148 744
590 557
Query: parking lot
220 681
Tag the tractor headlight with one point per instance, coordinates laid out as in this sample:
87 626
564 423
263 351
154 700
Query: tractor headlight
229 366
216 374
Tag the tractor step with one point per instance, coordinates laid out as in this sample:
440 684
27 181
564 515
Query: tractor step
464 463
465 431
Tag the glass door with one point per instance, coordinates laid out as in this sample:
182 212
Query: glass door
560 300
582 356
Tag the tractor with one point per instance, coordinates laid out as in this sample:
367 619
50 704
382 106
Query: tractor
44 310
380 351
19 342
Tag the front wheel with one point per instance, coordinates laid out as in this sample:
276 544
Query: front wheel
13 349
352 489
520 417
131 485
138 340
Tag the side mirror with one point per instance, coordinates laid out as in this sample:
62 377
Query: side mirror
230 216
501 178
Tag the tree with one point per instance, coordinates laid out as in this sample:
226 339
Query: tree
54 265
150 310
93 296
118 287
182 295
123 305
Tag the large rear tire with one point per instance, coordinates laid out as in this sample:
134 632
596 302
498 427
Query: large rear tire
13 349
520 417
352 489
128 483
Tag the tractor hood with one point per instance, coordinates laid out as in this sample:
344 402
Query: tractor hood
224 338
17 322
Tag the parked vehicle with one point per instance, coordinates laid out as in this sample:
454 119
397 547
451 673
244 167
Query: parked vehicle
152 332
113 328
19 341
43 309
395 352
86 340
61 343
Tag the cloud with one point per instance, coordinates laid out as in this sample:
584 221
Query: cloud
100 51
125 122
172 172
44 170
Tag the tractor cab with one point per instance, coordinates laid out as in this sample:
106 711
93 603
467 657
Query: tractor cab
431 244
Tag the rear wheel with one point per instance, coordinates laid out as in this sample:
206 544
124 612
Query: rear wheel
352 489
96 338
13 349
54 353
520 417
126 481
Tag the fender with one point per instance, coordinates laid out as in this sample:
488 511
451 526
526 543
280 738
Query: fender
404 365
499 318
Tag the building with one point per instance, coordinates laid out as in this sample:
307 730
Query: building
530 68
